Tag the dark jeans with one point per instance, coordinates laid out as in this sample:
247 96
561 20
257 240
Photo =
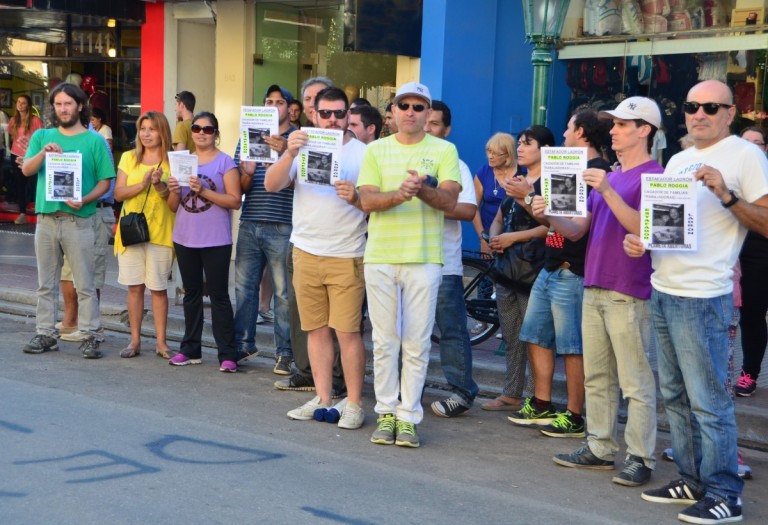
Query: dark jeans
299 336
214 262
754 304
22 186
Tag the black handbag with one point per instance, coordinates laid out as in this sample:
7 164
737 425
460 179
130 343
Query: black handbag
133 226
520 264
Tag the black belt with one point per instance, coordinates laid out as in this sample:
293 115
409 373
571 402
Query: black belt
101 204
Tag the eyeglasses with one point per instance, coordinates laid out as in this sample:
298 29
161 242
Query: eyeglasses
326 113
492 153
418 108
208 130
710 108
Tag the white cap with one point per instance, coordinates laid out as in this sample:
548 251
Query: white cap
633 108
413 89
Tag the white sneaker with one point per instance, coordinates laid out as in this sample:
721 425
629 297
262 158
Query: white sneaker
307 411
259 319
78 336
352 416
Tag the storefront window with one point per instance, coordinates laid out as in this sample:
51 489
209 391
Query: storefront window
293 45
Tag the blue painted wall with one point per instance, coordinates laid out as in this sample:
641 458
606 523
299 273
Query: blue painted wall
474 58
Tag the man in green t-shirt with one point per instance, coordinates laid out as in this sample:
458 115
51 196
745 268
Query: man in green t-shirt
406 182
65 226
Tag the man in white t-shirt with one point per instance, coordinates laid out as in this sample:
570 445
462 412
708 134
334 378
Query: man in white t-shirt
329 242
451 311
692 303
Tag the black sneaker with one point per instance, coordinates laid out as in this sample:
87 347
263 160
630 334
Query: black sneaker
745 385
337 392
450 407
564 426
296 382
635 473
90 348
583 458
282 365
709 510
676 491
41 343
244 355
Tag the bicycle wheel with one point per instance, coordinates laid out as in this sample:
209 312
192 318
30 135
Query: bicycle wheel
482 315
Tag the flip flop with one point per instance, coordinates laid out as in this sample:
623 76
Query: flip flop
162 353
499 404
129 351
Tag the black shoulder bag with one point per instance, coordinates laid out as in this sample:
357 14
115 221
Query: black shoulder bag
133 226
520 264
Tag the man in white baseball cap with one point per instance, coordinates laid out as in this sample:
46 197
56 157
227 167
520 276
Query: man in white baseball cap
634 108
413 89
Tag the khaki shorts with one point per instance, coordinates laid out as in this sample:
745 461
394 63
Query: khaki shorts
146 263
329 291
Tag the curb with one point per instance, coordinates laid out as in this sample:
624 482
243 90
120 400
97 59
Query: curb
752 421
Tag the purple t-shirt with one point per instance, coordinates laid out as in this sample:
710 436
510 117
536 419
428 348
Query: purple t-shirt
199 222
607 266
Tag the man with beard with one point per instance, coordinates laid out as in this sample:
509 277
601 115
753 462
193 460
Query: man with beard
329 242
65 227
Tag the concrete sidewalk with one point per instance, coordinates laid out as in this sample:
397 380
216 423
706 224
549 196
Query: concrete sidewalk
18 281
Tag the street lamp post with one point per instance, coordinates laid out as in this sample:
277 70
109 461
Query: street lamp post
543 25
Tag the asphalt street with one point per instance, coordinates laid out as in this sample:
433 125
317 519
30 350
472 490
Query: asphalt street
136 441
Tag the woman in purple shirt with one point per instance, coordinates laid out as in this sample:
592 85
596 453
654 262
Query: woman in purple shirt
202 238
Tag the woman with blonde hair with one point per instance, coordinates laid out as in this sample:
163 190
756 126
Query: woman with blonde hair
141 185
21 127
502 162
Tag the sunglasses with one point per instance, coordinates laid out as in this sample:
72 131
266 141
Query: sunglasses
326 113
418 108
208 130
710 108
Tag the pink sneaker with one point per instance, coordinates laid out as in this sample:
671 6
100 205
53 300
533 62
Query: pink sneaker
182 360
228 366
745 386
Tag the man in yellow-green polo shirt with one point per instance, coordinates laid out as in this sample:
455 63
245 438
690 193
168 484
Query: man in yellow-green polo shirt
406 182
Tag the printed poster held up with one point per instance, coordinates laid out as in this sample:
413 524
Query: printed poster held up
256 124
318 161
562 184
183 166
63 177
668 212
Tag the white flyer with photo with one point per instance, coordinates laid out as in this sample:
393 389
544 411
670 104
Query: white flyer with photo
183 166
63 177
318 161
668 212
256 124
562 184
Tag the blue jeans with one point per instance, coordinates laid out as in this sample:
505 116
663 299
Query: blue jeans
553 317
260 244
455 348
691 336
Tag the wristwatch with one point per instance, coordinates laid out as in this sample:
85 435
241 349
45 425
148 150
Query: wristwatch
529 198
734 200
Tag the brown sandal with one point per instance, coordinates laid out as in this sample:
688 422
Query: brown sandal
129 351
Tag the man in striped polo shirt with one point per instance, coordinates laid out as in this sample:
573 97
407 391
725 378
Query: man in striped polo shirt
263 239
406 182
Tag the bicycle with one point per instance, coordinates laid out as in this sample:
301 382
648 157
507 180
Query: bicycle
482 314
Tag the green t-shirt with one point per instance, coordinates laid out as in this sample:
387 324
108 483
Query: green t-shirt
97 166
411 232
183 135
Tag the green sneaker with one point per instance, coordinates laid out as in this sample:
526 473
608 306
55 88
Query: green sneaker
530 415
385 430
406 435
564 427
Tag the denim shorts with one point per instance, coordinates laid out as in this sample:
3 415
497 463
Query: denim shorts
553 317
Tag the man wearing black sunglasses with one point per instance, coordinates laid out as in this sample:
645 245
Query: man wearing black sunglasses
694 289
329 242
407 181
